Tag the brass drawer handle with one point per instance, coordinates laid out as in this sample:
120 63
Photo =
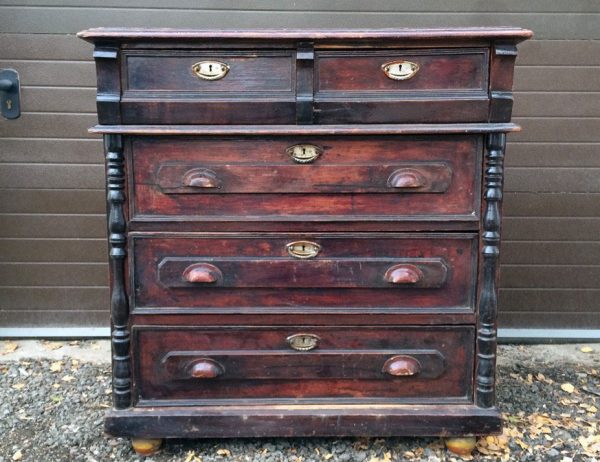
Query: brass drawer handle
303 342
304 153
210 70
402 366
400 70
406 178
206 368
201 178
202 273
303 249
403 274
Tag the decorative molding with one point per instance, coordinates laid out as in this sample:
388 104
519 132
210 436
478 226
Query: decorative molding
305 59
501 104
108 95
105 53
505 49
117 239
355 129
106 99
488 300
501 81
502 95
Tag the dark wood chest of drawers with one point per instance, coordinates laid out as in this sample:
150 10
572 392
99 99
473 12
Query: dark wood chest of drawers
304 229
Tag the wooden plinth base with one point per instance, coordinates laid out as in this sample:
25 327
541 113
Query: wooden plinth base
302 421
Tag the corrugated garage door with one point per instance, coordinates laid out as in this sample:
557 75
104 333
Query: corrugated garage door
53 264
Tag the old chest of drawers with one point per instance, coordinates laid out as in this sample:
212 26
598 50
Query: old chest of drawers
304 229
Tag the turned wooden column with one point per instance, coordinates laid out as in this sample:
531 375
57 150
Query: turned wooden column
488 301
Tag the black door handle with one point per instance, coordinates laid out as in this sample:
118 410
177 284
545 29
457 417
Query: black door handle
5 85
10 93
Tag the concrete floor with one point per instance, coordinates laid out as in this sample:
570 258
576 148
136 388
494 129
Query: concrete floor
93 351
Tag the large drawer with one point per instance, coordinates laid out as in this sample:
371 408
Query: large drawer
295 272
402 86
352 177
303 363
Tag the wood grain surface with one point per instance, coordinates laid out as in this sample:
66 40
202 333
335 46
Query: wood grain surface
347 365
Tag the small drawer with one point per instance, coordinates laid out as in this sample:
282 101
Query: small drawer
289 273
393 86
331 177
431 364
208 87
401 71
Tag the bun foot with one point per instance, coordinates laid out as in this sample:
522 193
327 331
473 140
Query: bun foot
145 447
461 446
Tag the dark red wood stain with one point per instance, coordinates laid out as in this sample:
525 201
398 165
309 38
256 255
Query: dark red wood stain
357 169
257 295
251 71
348 363
439 70
348 272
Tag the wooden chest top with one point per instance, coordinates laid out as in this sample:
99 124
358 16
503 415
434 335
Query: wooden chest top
306 77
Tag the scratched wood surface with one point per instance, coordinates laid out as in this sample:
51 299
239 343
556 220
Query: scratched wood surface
348 365
346 275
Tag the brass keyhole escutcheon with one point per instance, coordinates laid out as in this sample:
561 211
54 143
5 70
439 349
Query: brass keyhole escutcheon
303 249
210 70
304 153
303 342
9 104
400 70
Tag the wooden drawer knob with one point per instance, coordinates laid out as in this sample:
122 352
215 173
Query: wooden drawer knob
206 368
403 274
402 366
406 178
201 178
202 273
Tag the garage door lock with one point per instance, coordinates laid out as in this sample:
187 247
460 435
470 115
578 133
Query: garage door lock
10 93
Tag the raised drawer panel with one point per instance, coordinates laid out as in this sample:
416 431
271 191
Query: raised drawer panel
263 363
407 177
393 273
352 177
316 273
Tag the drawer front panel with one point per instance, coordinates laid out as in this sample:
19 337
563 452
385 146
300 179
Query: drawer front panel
352 363
263 72
396 72
403 86
225 272
319 176
204 87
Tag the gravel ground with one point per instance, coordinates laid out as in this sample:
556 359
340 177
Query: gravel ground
51 411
